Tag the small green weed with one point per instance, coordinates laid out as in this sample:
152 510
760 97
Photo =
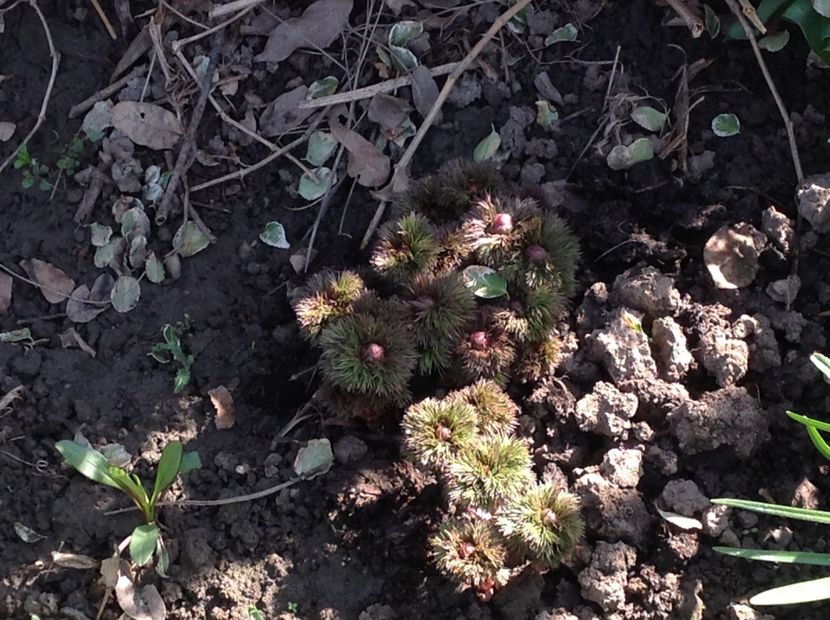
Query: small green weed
171 351
34 173
146 540
293 607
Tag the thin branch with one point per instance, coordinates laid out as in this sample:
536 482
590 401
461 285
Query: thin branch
366 92
788 124
693 22
56 57
104 93
104 19
233 7
400 175
184 159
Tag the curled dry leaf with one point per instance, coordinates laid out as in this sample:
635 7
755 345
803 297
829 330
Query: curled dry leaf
284 112
10 397
147 124
5 292
139 603
223 403
366 163
731 255
424 89
318 27
387 111
85 304
70 339
74 560
110 568
53 282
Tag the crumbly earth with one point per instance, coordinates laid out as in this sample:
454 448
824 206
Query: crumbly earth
353 543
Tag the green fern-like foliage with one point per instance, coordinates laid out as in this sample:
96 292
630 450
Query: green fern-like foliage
496 413
327 296
485 351
368 356
436 430
406 248
470 552
489 471
543 523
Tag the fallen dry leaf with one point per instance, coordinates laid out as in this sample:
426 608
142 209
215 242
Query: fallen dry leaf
5 292
77 308
53 282
424 89
6 130
731 255
366 163
284 113
110 568
71 339
387 111
11 397
139 604
317 28
223 403
147 124
74 560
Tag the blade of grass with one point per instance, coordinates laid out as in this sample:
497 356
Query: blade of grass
782 557
776 510
795 593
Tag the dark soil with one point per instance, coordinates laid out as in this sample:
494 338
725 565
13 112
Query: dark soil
356 537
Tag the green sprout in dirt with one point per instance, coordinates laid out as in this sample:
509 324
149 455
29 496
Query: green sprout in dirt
171 351
803 591
505 519
34 173
327 296
145 541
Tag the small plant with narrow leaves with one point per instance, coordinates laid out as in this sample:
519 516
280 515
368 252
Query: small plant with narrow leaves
146 541
171 351
803 591
502 518
477 279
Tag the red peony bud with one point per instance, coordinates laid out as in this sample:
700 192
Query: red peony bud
502 224
426 302
536 254
479 340
373 352
443 433
465 550
550 518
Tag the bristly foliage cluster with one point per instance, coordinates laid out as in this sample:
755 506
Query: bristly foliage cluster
503 518
468 283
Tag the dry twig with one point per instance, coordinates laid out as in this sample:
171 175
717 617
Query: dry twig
788 124
104 93
400 175
185 158
693 22
104 19
53 53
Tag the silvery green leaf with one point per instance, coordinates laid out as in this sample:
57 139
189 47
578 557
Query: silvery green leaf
138 251
125 294
485 282
402 58
100 234
311 188
315 457
152 174
16 335
624 157
321 146
108 254
726 125
822 7
546 114
97 120
649 118
488 146
154 269
274 235
566 33
27 534
775 42
190 240
403 32
135 222
323 87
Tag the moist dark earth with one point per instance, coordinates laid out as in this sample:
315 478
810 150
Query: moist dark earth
353 542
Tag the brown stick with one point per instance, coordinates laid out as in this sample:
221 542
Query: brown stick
103 17
370 91
782 109
78 109
184 159
400 175
692 21
56 57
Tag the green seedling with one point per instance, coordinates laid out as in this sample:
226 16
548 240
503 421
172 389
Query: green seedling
802 591
171 351
34 173
68 163
146 541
